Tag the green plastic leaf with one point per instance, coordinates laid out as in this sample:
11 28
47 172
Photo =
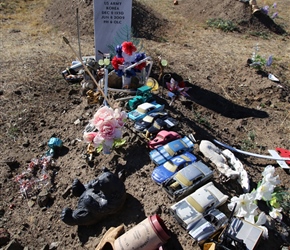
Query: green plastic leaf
118 143
99 148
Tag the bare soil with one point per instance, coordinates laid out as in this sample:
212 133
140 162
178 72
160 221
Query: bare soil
229 101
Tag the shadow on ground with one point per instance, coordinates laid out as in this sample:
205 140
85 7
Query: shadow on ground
221 105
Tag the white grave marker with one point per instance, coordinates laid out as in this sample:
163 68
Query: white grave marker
110 16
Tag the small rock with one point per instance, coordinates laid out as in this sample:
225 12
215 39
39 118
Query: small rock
66 192
43 198
76 122
54 245
31 203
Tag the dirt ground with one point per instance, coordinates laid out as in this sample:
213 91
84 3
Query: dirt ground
229 101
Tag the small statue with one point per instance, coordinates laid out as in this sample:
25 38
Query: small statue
94 97
99 198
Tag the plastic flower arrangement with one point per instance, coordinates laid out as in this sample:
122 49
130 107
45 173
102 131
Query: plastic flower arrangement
267 9
259 62
267 191
176 89
127 55
107 124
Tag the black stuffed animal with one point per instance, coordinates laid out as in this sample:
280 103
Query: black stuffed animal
99 198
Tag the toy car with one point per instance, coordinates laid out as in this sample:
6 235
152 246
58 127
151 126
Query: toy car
169 168
144 109
159 124
142 124
163 137
212 222
166 152
247 233
191 208
186 180
143 94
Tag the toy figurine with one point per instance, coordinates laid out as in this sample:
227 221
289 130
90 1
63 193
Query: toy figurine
99 198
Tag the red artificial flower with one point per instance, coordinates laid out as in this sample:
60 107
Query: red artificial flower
181 84
116 61
128 48
141 66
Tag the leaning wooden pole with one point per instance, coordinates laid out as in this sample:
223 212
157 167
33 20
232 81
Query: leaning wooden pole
87 70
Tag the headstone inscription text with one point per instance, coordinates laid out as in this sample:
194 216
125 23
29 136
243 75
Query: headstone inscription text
109 17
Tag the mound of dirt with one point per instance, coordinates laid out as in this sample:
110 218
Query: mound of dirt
63 16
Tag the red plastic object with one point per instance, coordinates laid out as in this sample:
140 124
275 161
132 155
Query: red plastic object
159 227
284 153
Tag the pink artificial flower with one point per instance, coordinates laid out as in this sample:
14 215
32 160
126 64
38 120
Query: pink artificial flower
103 114
109 130
98 140
89 136
120 116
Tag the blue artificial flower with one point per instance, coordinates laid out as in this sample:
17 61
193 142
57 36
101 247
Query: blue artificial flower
118 50
265 9
119 72
130 73
269 61
139 57
275 15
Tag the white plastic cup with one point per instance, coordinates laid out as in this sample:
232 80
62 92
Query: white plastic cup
149 234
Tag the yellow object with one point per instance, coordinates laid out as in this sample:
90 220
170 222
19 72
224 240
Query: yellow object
183 180
174 185
209 246
153 84
195 204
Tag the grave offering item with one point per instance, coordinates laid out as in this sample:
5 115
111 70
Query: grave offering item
99 198
149 234
128 62
226 162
